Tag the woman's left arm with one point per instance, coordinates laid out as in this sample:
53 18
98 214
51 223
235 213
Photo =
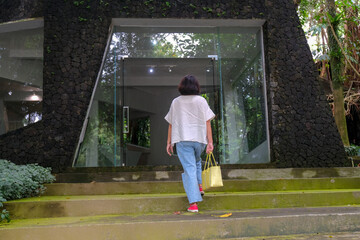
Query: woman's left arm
169 147
210 145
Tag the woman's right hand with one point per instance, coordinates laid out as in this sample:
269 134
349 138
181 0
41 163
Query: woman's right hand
169 149
209 148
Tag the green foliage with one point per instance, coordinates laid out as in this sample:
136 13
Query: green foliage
21 181
78 3
352 150
4 214
314 16
207 9
140 132
81 19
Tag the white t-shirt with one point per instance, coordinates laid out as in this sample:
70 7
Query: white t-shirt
188 115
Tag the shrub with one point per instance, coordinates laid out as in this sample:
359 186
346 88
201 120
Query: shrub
4 214
352 150
21 181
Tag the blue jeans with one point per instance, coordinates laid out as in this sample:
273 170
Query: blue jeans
189 155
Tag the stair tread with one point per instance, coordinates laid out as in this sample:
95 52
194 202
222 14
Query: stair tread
228 172
225 180
312 236
167 195
183 216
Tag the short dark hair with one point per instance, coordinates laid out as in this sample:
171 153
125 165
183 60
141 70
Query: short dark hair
189 85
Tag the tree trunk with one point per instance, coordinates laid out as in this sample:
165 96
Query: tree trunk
352 34
339 114
336 75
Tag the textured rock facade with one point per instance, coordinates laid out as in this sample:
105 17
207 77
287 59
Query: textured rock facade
302 129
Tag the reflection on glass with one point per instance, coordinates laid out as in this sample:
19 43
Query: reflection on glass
139 79
244 138
99 144
164 42
21 75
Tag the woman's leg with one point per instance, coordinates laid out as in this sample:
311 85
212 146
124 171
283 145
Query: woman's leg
199 148
186 152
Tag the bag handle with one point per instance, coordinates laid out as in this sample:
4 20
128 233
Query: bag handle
209 160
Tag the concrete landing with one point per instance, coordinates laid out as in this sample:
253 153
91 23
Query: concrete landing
205 225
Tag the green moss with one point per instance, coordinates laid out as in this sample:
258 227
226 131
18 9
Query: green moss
118 218
129 196
93 197
19 223
54 221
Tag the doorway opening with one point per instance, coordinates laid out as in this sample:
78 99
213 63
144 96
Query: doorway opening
142 68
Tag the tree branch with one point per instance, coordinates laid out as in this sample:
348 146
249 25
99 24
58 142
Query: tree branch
341 47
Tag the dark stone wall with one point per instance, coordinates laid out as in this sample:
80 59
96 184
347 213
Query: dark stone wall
302 129
23 145
12 10
75 40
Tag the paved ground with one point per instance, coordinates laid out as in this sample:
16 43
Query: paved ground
185 216
329 236
204 225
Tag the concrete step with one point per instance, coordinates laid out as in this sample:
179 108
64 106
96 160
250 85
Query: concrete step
71 206
310 236
87 175
205 225
111 188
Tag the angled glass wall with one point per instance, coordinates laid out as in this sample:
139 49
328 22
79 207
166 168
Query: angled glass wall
243 133
139 78
21 74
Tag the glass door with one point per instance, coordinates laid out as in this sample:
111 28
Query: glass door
145 89
137 108
212 92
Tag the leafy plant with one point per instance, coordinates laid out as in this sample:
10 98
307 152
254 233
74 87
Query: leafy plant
192 5
4 214
21 181
352 150
81 19
78 3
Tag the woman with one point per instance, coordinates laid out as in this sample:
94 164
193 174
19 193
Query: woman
190 129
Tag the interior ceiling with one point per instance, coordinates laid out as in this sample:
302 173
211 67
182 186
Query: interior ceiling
7 85
168 66
165 71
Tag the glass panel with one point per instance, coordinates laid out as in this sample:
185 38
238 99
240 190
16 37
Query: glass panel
244 121
126 123
98 147
21 77
148 94
164 42
211 92
156 60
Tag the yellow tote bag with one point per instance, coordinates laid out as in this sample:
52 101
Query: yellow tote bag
211 175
